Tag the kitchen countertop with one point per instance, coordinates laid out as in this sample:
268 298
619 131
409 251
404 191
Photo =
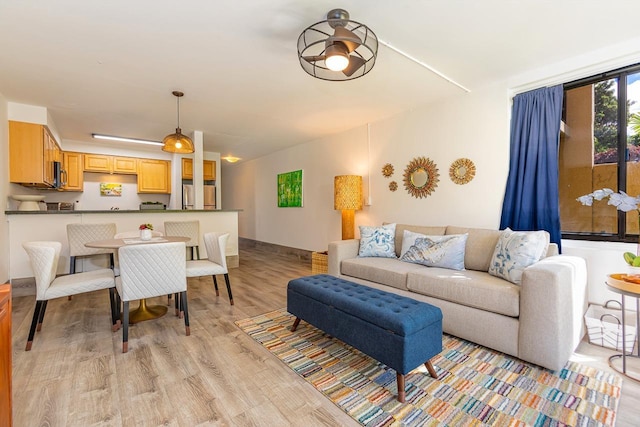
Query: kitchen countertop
169 211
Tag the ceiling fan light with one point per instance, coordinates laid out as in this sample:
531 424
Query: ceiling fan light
337 58
327 48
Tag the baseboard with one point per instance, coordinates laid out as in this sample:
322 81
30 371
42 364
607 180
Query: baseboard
300 254
23 287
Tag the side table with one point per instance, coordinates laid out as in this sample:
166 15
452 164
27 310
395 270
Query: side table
615 283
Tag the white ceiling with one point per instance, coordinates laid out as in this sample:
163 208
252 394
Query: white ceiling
110 66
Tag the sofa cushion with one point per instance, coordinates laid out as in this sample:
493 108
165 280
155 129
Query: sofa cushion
480 246
426 230
470 288
437 251
515 251
377 241
387 271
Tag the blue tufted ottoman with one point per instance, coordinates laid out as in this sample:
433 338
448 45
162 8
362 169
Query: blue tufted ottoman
400 332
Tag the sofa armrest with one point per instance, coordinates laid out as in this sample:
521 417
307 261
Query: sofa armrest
553 300
340 250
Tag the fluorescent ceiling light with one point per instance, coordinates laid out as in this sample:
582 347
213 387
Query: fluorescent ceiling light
119 138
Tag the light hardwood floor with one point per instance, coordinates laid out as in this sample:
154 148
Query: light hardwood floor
76 374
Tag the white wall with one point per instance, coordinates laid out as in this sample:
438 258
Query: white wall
471 125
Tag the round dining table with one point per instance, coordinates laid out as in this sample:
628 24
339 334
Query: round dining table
144 311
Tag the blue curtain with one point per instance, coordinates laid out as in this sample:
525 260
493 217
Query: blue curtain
531 197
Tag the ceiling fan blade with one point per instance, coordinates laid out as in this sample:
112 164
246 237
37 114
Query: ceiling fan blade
355 62
348 38
316 58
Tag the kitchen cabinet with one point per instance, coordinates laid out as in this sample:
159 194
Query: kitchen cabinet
124 165
32 151
110 164
97 163
73 166
5 355
187 168
154 176
208 169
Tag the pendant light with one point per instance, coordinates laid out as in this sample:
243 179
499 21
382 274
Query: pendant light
177 142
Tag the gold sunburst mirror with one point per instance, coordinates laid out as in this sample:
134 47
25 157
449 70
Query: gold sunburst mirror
393 186
421 177
387 170
462 171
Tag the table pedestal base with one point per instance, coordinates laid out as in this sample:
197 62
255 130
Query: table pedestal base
624 370
146 312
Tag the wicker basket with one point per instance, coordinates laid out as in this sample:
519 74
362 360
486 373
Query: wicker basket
604 327
319 262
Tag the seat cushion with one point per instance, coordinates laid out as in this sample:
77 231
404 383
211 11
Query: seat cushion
72 284
204 268
470 288
387 271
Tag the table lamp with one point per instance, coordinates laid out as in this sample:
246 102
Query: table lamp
347 197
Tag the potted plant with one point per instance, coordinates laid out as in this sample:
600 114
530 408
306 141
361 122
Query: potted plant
145 231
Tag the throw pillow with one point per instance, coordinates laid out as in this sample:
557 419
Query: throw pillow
408 240
377 241
438 251
515 251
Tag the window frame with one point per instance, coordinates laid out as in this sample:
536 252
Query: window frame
621 74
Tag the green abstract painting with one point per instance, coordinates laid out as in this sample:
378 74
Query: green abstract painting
290 189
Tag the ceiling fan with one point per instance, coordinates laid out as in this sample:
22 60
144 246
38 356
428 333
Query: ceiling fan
337 48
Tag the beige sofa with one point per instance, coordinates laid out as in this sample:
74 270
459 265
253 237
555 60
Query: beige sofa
539 321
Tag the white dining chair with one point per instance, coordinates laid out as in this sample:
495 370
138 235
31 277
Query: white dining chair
133 234
216 262
148 271
190 229
44 258
79 234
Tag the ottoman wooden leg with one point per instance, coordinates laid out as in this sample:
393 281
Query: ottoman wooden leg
429 367
400 384
295 324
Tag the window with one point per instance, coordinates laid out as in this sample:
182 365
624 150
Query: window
600 148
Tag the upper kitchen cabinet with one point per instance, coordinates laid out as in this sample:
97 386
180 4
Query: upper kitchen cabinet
32 151
187 168
73 167
154 176
208 169
110 164
97 163
125 165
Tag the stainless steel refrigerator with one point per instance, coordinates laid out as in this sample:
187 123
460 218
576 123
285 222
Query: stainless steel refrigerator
188 197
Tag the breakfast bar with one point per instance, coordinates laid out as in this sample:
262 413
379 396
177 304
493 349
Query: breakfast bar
27 226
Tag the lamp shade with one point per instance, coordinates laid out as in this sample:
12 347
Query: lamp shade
177 143
347 192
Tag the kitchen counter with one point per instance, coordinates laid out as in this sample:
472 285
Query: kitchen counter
146 211
27 226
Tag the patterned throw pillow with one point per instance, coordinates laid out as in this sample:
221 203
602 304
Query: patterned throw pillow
408 240
517 250
377 241
438 251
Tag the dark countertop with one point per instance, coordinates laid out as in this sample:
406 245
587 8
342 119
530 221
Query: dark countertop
168 211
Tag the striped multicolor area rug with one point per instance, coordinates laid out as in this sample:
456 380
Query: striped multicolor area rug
475 385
